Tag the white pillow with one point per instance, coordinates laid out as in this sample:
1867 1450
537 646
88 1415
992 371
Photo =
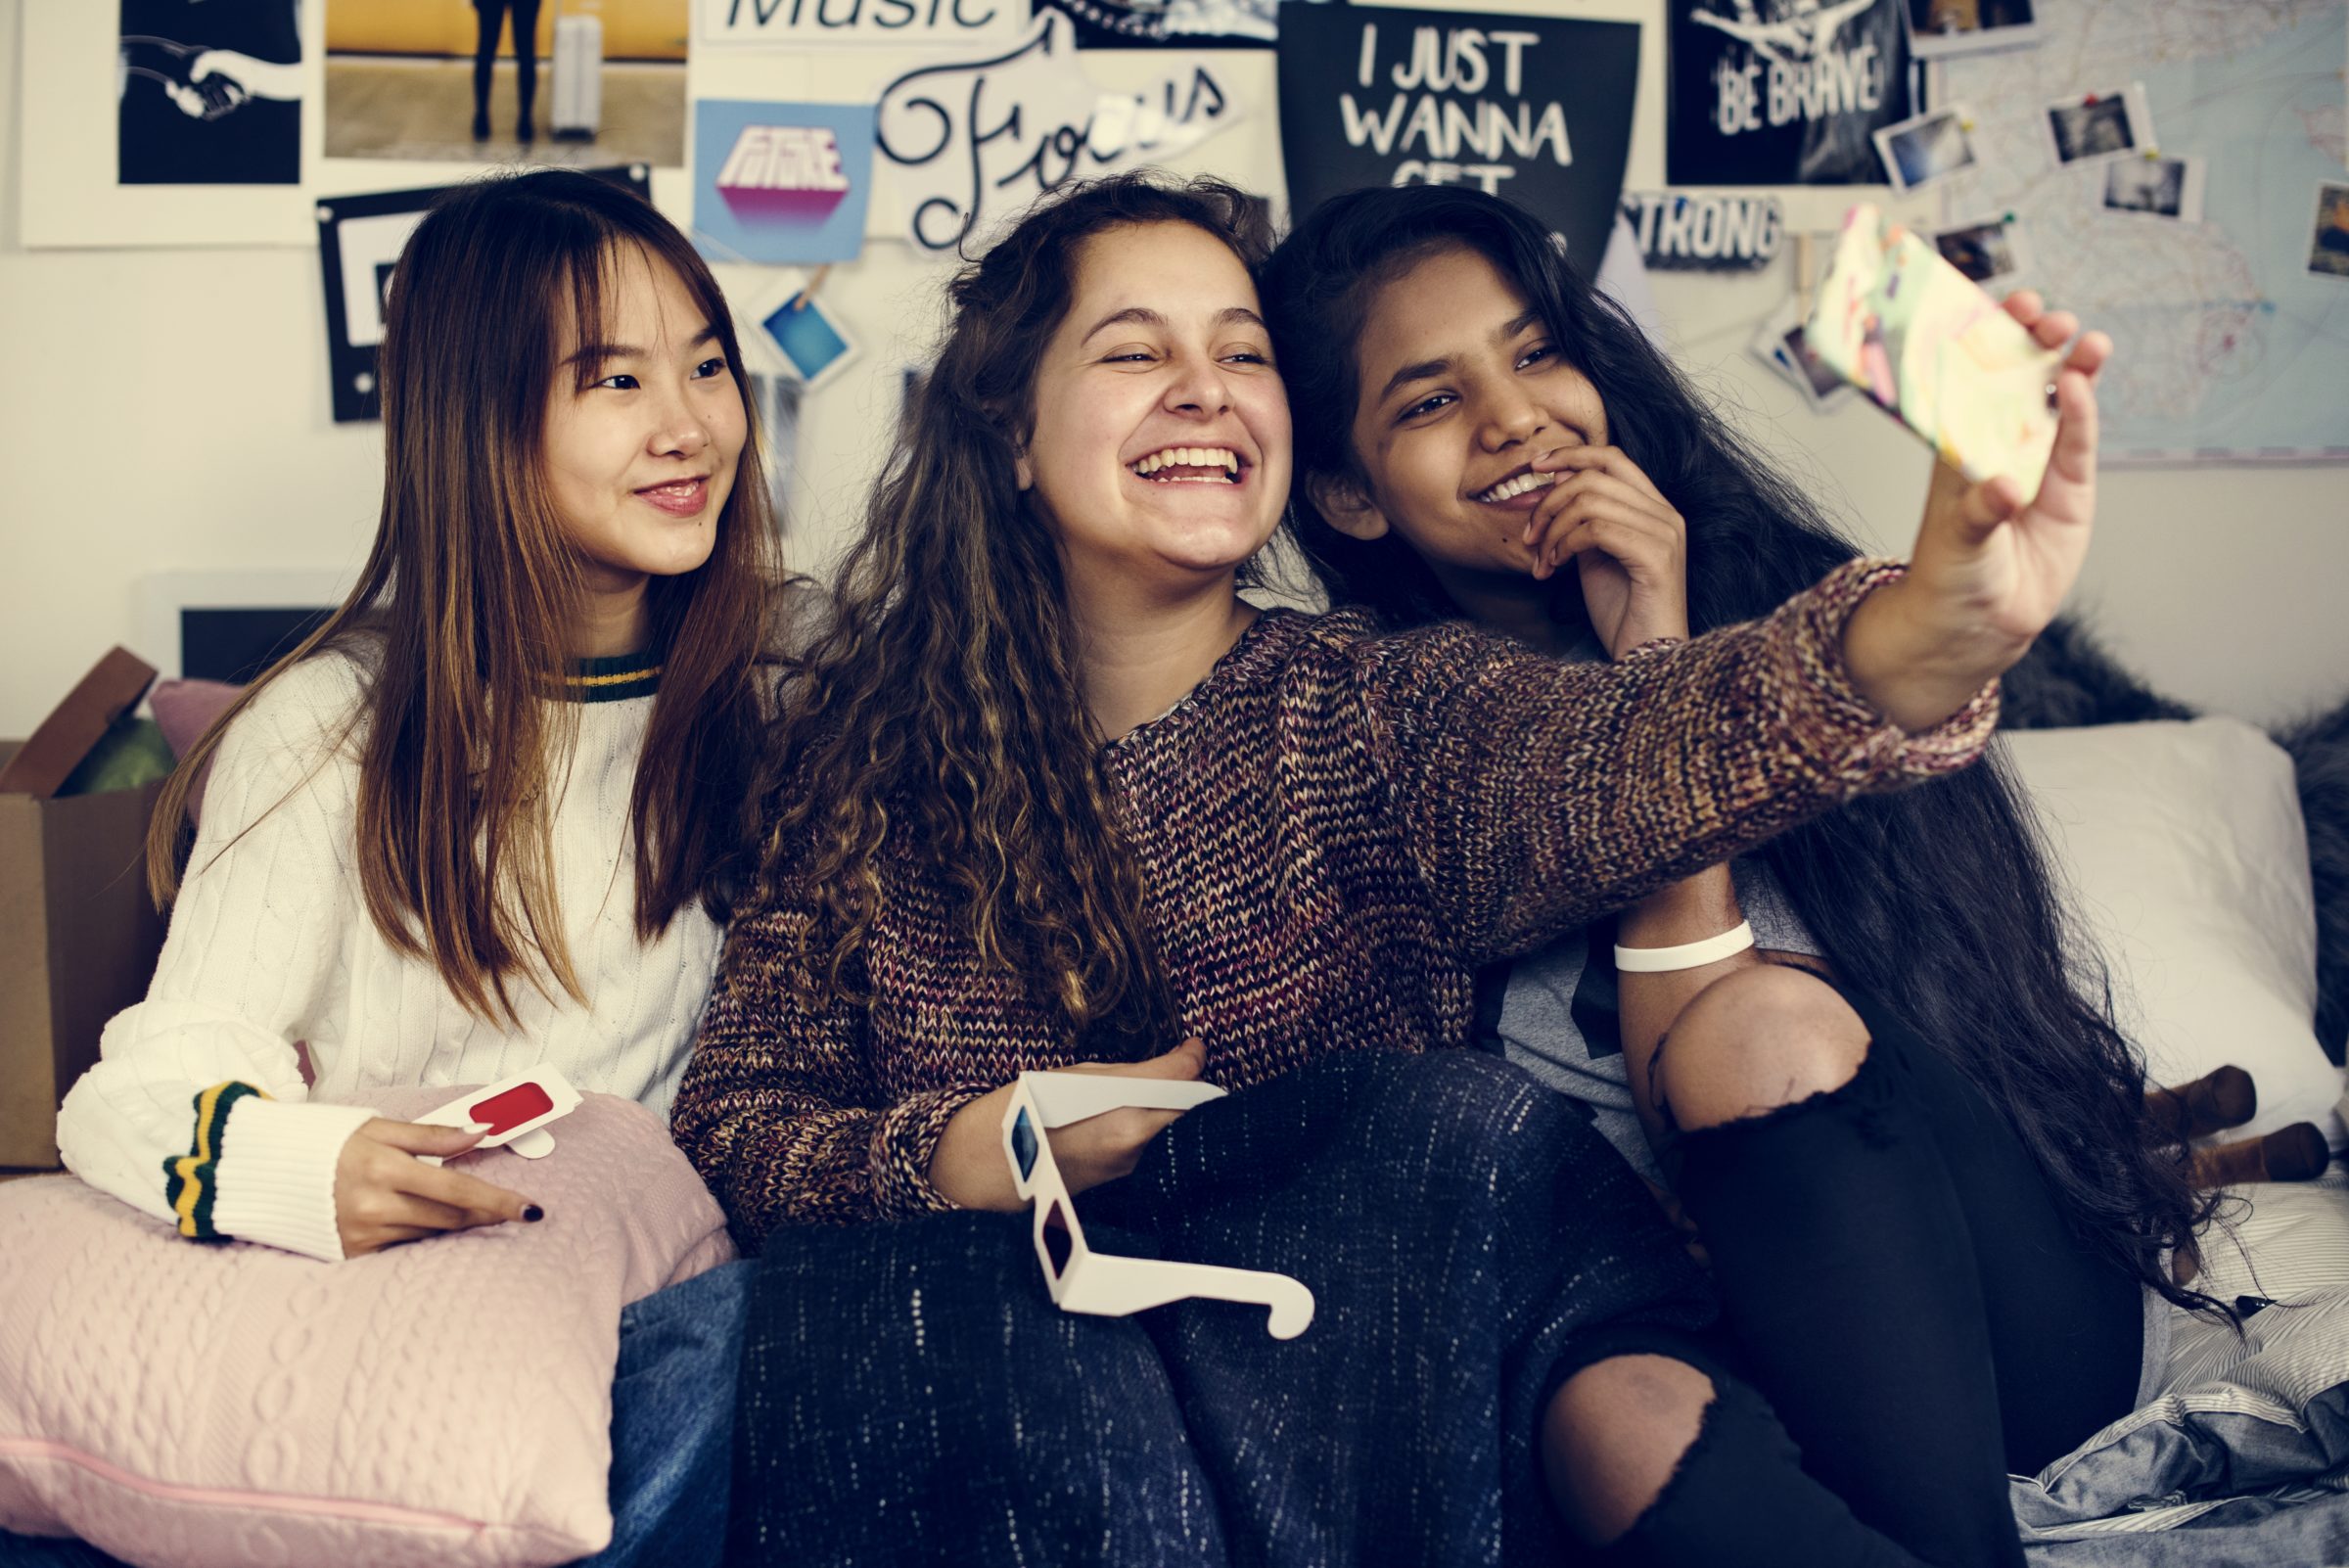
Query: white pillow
2188 861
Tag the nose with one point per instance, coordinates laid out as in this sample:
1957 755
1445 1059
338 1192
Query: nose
1198 389
1511 419
678 428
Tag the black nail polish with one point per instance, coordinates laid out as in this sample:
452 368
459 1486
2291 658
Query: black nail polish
533 1214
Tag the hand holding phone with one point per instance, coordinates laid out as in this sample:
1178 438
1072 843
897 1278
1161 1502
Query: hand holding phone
1921 339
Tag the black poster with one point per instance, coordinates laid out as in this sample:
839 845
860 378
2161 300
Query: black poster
359 241
1533 108
1784 92
211 93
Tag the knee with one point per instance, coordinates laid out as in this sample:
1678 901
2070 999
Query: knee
1756 1039
1613 1437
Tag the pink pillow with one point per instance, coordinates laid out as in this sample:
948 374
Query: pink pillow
444 1403
184 709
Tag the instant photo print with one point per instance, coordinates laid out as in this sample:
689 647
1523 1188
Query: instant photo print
1936 352
1784 345
814 343
1938 28
2099 125
1930 147
2166 189
1985 249
2328 245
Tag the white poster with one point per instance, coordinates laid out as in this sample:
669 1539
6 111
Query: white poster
968 142
799 23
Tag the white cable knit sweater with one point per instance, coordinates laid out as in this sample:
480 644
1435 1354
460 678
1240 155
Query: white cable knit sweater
270 943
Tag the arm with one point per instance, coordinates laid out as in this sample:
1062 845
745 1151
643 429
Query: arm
1536 794
195 1112
256 78
779 1110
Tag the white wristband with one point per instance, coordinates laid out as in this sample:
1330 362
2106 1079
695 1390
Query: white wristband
1688 955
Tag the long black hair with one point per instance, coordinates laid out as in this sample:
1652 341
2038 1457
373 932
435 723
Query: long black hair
1935 900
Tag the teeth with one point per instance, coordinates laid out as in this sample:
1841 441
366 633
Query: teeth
1190 457
1518 486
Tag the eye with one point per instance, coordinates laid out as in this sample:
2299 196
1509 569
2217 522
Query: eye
710 368
1425 405
1536 354
1250 357
619 383
1129 356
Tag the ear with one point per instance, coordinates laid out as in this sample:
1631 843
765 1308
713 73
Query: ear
1024 471
1342 505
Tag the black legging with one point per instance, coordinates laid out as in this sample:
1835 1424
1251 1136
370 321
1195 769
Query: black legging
1906 1295
492 16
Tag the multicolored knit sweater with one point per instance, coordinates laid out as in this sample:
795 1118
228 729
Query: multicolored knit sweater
1335 830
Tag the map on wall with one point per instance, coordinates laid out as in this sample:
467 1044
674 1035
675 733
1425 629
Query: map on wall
2232 332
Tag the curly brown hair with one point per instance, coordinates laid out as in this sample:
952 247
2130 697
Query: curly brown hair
939 713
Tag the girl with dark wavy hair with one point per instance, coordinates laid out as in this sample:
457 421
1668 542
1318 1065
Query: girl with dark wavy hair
1940 1214
1053 795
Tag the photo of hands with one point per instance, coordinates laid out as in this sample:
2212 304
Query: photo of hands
211 93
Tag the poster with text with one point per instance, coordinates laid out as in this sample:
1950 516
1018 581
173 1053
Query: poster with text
211 93
1173 23
966 144
1532 108
894 23
1784 92
781 183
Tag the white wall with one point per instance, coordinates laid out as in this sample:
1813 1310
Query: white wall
167 411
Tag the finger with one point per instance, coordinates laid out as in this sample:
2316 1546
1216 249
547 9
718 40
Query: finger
2074 459
2056 329
2025 305
1185 1060
1630 537
1606 459
470 1194
1983 507
418 1137
377 1237
2089 354
1562 497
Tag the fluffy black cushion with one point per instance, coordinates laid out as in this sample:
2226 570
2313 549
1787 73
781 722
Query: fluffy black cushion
2067 681
2320 749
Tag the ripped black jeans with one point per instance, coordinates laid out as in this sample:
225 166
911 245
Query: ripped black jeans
1905 1294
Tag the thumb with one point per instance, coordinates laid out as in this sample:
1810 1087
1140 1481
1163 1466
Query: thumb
1184 1061
1985 506
418 1137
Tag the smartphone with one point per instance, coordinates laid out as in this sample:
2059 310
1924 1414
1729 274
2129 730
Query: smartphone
1895 320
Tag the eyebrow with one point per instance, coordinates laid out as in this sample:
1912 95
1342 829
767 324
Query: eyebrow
1430 369
1142 316
595 353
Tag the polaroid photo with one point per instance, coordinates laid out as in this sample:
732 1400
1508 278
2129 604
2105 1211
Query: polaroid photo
2328 245
2169 189
1938 28
814 343
1986 250
1928 148
2099 125
1781 345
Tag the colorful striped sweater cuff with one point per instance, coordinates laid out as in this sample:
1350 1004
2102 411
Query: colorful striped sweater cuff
270 1173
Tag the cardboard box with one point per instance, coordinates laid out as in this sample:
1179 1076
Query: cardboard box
78 933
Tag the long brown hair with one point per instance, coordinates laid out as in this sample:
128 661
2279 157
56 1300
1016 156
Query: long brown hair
941 714
463 612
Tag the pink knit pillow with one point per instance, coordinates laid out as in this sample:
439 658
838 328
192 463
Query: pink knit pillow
184 709
445 1403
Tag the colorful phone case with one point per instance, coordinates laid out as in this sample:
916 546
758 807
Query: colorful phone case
1912 332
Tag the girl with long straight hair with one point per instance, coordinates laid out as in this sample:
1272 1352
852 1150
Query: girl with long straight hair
483 820
1942 1219
1053 795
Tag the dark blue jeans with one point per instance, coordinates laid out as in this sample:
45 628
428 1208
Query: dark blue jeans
673 1423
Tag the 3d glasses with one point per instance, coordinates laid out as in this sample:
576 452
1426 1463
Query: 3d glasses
1083 1280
